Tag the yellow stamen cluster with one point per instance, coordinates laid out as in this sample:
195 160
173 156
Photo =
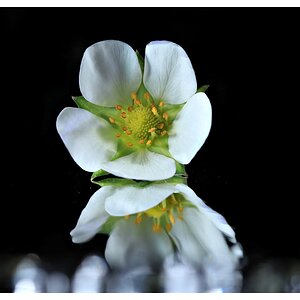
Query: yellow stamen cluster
163 215
141 122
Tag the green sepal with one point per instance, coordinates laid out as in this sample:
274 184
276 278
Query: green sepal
203 88
100 111
123 150
141 90
98 174
173 180
173 110
116 182
120 182
160 146
108 226
141 60
180 169
185 203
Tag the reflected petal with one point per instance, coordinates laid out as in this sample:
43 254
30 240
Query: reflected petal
131 245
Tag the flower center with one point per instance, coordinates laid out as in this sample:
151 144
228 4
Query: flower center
142 122
163 215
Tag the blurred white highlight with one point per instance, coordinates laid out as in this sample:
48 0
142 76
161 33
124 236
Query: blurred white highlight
28 277
57 283
178 276
90 275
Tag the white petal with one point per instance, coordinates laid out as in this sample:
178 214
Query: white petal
92 217
129 200
168 72
144 165
199 240
89 139
133 245
190 128
218 220
109 72
186 243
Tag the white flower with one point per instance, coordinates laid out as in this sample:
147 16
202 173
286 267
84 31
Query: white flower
147 222
157 116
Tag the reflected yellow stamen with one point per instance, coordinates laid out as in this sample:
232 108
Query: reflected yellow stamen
149 142
124 128
141 142
161 103
166 213
152 129
180 210
123 114
130 108
138 219
118 135
174 201
129 144
165 116
154 212
161 125
128 132
168 227
171 217
111 120
147 96
156 228
118 107
163 133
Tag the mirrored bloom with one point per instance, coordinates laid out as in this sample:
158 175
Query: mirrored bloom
147 224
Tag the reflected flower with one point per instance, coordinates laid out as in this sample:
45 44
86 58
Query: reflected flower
147 224
140 117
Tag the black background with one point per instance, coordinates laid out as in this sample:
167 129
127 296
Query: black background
246 170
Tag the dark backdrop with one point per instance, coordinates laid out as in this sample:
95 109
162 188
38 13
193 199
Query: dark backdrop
247 168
